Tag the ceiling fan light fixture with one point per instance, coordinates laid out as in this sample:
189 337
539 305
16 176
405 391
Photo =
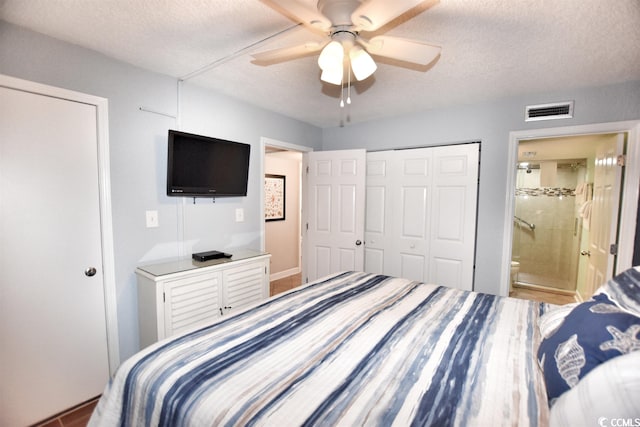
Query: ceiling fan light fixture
332 75
361 63
343 51
331 56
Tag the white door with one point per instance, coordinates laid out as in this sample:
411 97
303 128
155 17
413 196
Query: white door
335 218
53 347
604 212
421 214
453 224
378 219
398 216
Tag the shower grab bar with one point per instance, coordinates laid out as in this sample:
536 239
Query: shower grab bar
522 221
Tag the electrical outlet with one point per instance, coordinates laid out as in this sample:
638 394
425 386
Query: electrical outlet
152 219
239 215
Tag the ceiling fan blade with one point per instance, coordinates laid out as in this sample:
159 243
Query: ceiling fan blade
286 53
300 12
402 49
373 14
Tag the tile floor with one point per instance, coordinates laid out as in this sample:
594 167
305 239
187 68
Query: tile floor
76 417
284 284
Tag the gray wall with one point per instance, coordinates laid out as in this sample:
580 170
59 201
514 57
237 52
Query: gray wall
138 155
138 152
489 123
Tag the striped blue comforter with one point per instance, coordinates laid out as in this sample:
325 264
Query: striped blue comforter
353 349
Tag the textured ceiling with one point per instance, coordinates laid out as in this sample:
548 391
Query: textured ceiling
490 49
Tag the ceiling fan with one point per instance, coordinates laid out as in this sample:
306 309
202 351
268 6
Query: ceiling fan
344 49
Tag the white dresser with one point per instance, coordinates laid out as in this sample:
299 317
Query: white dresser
180 295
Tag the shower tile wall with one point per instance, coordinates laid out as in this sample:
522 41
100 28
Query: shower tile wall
548 254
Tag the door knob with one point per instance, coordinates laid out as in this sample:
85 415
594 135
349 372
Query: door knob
89 272
587 253
358 242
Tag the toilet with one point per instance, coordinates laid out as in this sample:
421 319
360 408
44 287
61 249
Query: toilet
515 267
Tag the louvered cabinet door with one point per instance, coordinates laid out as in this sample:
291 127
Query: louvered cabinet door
245 285
191 302
179 296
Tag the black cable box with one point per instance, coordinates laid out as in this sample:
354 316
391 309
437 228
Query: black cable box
209 255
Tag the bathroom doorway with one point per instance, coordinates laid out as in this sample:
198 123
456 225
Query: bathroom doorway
550 224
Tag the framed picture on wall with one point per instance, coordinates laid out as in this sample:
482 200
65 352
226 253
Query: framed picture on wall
274 197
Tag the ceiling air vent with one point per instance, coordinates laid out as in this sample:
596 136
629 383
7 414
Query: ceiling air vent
558 110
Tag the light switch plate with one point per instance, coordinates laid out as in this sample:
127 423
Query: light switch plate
239 215
152 219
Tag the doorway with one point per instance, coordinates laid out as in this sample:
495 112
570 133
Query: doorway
560 147
282 233
551 223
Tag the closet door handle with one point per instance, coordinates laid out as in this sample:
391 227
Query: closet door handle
358 242
90 272
585 253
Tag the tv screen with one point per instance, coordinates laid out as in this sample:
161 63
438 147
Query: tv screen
201 166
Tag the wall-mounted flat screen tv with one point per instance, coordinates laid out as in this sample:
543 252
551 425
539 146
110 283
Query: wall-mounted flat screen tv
201 166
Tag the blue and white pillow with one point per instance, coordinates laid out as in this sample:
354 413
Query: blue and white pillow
624 290
593 332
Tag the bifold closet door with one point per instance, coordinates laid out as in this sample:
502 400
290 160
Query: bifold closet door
52 311
421 214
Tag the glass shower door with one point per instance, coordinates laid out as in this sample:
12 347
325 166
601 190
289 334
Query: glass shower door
546 235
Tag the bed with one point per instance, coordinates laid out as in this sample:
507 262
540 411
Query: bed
350 349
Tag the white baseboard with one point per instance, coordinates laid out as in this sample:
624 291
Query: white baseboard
283 274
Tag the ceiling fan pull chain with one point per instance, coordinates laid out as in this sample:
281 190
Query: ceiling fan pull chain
342 94
349 87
